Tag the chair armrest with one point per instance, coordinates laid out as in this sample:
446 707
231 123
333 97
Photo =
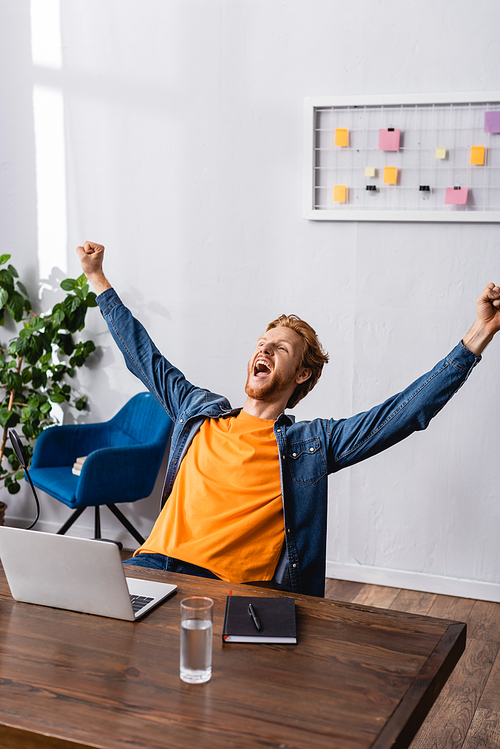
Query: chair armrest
119 474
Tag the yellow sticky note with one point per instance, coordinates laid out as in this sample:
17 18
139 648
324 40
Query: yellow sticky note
440 153
370 171
477 155
341 136
390 175
339 194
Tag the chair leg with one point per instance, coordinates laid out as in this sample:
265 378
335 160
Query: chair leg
69 522
97 522
126 523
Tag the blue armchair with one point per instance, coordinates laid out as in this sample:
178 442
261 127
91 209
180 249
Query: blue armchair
124 456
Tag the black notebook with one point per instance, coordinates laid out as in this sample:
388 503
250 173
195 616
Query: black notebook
270 619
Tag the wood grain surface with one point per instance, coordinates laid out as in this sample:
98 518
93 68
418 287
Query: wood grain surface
466 714
359 677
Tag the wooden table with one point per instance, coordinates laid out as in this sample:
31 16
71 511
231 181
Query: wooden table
358 677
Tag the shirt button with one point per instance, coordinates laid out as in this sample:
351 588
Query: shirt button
288 530
283 456
294 455
294 565
311 449
278 430
181 421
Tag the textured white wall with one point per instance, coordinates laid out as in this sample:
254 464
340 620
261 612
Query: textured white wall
182 152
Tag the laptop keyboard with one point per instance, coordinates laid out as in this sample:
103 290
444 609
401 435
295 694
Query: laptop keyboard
138 602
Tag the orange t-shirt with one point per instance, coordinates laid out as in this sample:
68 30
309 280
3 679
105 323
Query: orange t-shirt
225 511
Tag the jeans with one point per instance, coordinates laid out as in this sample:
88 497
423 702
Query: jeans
169 564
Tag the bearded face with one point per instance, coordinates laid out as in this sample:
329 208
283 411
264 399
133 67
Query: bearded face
264 382
274 365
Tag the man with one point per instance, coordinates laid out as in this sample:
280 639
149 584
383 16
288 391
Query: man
247 488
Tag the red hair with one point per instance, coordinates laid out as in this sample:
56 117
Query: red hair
314 357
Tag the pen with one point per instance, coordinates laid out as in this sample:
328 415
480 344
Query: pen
254 616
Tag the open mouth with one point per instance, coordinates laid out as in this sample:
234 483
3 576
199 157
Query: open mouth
261 368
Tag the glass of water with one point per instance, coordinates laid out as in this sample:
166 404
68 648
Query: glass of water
196 639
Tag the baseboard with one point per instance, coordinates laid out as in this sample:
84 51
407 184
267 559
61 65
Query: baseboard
449 586
116 532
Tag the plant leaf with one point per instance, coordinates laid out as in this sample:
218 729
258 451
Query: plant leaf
80 403
8 418
37 323
21 346
58 317
57 398
72 303
6 279
16 306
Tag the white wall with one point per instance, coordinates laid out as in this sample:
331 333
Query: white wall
181 151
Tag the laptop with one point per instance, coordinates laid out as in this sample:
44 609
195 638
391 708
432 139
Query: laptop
77 574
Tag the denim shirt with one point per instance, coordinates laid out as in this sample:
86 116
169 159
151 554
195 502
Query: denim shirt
308 450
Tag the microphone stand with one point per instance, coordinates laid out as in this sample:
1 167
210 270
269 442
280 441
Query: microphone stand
23 460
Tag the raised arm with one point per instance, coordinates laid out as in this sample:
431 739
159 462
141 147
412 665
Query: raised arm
487 322
91 256
368 433
142 357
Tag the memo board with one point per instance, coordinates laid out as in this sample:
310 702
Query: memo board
403 158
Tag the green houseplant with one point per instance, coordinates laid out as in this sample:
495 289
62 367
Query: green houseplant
38 362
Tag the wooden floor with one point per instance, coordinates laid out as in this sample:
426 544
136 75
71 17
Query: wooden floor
467 712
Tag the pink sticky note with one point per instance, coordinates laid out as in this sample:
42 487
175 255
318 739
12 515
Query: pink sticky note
388 140
456 196
492 122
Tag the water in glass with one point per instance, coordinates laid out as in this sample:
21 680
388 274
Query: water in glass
196 650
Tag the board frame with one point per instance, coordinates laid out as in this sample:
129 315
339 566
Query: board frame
491 100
